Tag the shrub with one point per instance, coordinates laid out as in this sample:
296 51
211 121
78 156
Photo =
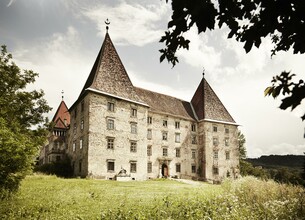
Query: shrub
61 168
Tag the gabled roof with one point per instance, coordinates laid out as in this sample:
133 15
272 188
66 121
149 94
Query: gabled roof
208 106
165 104
61 115
108 74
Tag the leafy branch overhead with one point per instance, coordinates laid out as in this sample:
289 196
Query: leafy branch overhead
248 21
282 84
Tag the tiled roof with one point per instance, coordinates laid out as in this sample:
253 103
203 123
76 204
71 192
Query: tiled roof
207 105
61 114
108 74
166 104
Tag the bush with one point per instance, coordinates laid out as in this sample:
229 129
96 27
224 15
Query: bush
61 168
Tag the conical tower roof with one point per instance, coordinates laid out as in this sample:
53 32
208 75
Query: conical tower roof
208 106
61 116
109 76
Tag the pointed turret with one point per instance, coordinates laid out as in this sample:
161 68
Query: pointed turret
208 106
62 116
109 76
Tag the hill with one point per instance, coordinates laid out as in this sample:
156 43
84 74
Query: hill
295 162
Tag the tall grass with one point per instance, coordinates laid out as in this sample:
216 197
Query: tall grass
49 197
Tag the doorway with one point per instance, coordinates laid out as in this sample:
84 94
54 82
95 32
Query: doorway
164 170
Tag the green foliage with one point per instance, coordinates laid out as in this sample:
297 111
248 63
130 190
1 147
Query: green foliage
283 84
241 146
60 168
248 22
48 197
20 111
247 169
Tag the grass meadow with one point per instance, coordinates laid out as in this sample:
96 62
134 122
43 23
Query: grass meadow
49 197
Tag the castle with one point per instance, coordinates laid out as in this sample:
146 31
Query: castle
114 125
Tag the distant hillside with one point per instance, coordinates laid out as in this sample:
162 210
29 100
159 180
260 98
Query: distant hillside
276 161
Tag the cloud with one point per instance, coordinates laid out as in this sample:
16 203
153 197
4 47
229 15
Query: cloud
62 64
132 24
10 3
277 149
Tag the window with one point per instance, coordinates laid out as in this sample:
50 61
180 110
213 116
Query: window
215 141
149 150
82 124
194 139
193 127
133 166
164 123
133 147
227 155
110 124
82 106
193 168
178 167
110 166
164 152
75 112
177 124
149 134
177 137
133 128
74 147
110 106
149 120
227 130
110 143
80 143
226 141
133 112
215 170
178 152
74 129
193 154
215 156
164 136
80 166
57 158
149 167
215 128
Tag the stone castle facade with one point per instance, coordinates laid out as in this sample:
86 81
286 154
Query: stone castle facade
114 125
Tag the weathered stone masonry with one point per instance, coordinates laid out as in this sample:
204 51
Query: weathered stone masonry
114 126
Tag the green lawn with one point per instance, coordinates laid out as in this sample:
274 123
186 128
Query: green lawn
49 197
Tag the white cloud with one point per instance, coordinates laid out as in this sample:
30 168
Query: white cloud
61 64
10 3
277 149
133 24
200 54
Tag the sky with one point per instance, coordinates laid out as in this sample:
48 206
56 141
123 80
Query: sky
60 40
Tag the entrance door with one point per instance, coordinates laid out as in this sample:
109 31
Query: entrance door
164 170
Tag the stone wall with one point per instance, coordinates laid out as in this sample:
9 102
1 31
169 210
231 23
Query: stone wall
197 159
220 150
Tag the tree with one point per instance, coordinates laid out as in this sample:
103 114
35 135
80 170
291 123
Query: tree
248 22
241 146
22 124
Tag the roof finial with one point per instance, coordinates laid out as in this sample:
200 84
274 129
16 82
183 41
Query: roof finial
203 72
107 22
62 95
